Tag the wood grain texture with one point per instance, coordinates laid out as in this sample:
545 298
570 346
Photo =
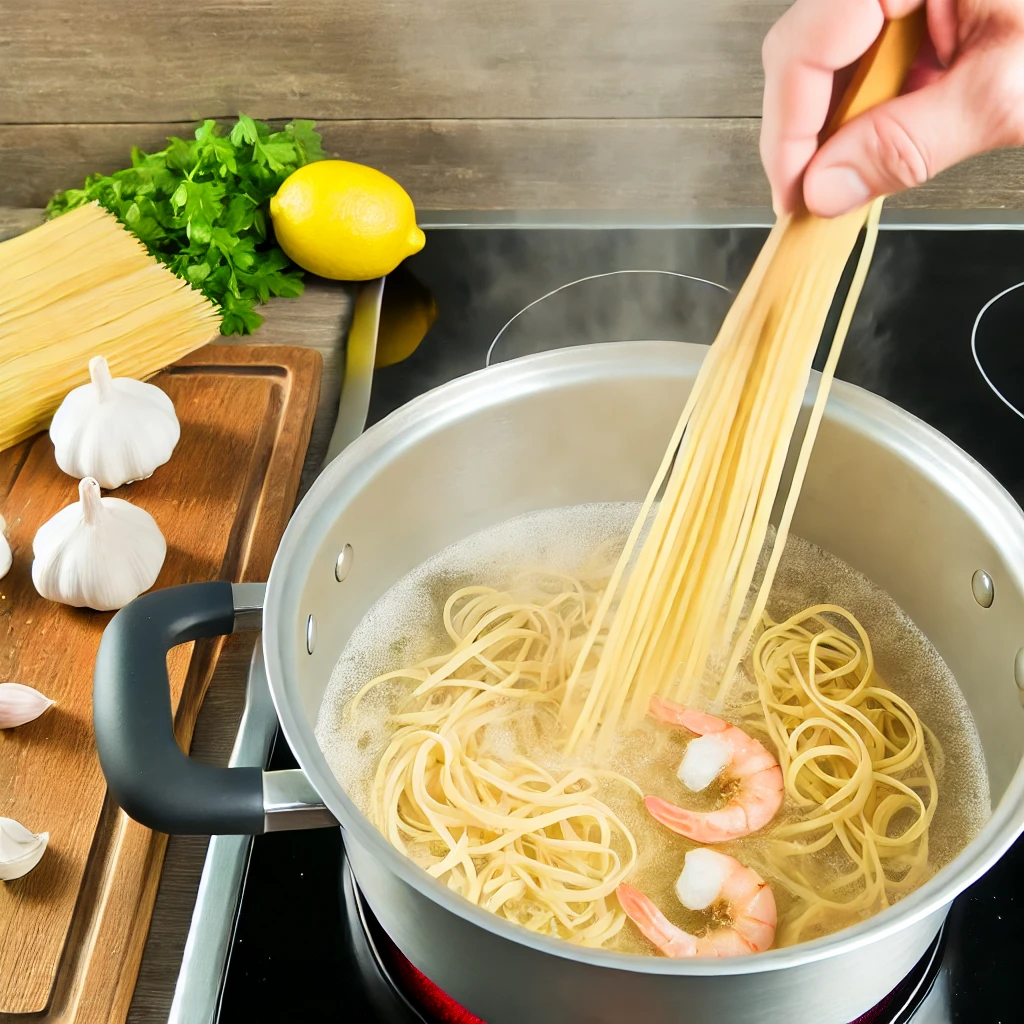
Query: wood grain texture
660 164
85 909
458 164
167 61
15 219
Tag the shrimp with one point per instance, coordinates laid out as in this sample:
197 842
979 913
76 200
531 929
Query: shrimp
757 789
732 890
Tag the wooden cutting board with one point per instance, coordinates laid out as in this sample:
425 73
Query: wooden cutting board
72 931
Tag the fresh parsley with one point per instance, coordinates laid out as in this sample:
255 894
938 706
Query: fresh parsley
200 207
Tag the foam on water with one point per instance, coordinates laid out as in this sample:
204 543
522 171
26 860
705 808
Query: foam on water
405 626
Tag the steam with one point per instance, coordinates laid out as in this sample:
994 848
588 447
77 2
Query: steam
867 357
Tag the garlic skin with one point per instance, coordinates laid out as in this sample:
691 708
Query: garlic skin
5 551
20 704
114 429
97 553
20 850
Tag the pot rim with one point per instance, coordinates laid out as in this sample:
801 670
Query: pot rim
884 422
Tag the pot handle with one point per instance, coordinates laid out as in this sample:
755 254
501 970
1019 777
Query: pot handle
149 775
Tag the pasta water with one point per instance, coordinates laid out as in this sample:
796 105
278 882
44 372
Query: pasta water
526 558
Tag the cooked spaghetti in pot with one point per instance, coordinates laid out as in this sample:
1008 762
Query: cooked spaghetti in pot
531 623
856 760
452 792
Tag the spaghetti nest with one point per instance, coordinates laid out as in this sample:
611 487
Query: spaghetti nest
453 792
856 762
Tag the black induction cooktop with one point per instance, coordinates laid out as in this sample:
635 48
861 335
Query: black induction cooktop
297 955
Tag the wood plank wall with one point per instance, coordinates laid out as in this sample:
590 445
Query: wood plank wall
472 104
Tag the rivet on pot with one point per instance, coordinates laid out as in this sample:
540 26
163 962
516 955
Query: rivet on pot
983 588
1018 668
310 634
344 564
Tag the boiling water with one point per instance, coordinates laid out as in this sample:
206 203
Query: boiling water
405 626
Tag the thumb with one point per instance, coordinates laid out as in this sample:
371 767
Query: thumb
908 140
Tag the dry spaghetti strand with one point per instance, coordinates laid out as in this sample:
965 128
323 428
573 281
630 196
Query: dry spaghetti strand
537 847
857 766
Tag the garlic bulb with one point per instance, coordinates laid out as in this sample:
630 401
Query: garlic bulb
20 850
115 429
20 704
5 551
98 552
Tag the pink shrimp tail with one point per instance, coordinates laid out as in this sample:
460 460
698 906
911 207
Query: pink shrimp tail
637 906
678 714
654 925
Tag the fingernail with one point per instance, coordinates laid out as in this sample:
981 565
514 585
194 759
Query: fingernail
834 191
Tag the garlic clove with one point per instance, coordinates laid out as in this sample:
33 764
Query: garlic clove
20 850
98 552
5 550
20 704
114 429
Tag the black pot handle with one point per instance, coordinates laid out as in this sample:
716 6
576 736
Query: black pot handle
149 775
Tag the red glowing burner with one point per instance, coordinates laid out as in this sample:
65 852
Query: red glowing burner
439 1008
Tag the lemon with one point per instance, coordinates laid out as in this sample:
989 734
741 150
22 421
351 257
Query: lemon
344 221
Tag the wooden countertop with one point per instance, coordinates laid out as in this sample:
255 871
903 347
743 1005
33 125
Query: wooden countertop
318 319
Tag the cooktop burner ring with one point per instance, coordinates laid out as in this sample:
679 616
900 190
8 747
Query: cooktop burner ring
626 273
974 346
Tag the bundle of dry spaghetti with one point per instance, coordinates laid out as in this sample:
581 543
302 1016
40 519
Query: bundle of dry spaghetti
537 846
856 760
675 602
81 286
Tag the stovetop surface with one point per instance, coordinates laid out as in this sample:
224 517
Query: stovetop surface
911 342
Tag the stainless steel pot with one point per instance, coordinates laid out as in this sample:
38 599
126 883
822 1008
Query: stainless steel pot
884 492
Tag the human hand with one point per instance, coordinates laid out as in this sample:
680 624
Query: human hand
965 95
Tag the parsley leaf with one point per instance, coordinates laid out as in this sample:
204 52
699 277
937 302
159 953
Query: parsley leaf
200 207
